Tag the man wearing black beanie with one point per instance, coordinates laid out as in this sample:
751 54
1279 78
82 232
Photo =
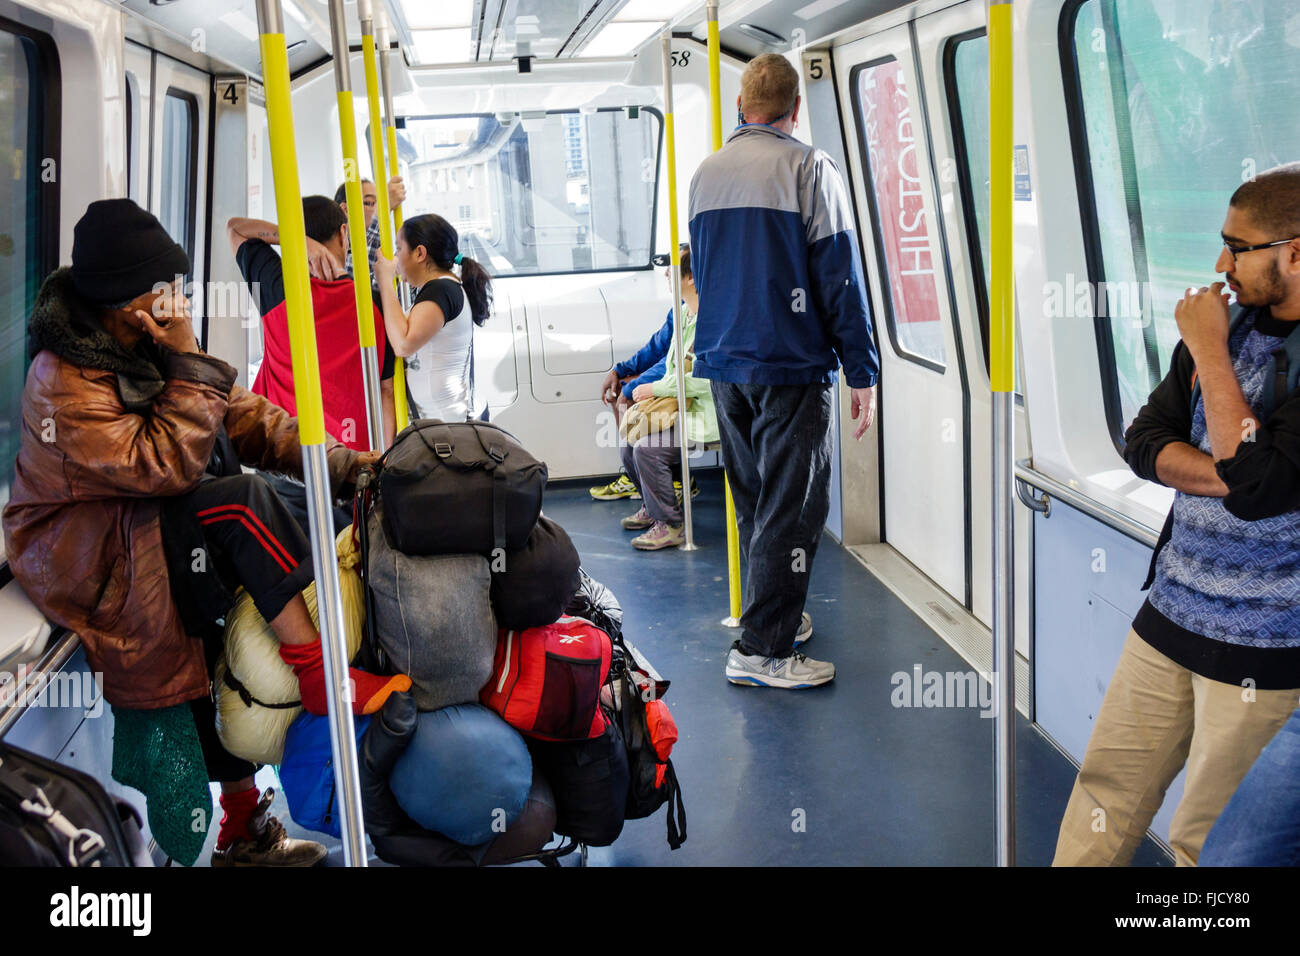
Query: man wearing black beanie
131 522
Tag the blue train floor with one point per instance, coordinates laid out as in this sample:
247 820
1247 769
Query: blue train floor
835 775
831 775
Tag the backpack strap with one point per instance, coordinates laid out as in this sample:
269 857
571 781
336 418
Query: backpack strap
1237 316
245 695
677 826
1287 369
498 452
1284 368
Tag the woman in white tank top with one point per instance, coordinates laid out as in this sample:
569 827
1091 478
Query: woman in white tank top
437 336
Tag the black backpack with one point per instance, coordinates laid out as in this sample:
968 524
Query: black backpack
590 781
649 787
52 815
459 488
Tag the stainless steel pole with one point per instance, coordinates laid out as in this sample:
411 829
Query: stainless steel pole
1004 634
311 426
671 144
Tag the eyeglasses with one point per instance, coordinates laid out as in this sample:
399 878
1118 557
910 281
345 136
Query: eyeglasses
1235 251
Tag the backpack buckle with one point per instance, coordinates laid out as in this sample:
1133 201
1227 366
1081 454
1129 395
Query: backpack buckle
442 449
496 454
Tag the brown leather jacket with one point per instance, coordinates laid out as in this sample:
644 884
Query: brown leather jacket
82 527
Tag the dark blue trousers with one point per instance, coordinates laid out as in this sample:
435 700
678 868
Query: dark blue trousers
776 445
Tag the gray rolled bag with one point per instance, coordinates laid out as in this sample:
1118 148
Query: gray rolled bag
433 618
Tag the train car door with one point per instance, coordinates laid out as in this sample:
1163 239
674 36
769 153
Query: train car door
923 395
953 57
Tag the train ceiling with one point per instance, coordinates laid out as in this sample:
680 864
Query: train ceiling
438 32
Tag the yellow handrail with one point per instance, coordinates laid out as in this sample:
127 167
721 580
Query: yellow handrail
715 114
369 61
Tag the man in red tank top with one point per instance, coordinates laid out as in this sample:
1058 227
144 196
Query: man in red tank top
338 341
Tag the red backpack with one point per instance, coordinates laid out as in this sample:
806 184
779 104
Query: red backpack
546 681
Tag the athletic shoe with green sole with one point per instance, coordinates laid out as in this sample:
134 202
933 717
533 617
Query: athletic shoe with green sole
620 487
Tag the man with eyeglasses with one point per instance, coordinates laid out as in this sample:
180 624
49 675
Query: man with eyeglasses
1211 669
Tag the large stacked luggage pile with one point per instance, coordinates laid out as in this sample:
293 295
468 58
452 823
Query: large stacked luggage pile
528 713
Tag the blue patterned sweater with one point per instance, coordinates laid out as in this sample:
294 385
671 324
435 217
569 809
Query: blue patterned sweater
1226 595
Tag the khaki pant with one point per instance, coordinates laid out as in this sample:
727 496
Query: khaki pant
1158 716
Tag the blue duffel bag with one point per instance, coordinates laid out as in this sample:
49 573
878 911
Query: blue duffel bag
307 772
465 773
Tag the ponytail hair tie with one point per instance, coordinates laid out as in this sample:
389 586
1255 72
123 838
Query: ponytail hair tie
458 258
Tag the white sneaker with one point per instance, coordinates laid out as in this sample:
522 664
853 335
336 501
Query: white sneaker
790 673
805 629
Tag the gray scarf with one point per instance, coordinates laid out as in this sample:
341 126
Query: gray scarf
66 324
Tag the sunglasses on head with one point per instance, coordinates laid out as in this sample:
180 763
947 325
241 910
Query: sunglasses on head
664 258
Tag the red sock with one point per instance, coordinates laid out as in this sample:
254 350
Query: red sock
239 808
369 691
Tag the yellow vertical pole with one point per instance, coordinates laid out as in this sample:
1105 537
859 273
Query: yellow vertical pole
365 12
715 116
356 225
715 74
311 423
383 34
393 172
1002 356
1002 347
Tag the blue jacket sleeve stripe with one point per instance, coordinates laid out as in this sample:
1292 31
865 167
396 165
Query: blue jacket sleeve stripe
838 287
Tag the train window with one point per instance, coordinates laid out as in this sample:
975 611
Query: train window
968 95
888 144
1174 104
27 103
567 192
180 168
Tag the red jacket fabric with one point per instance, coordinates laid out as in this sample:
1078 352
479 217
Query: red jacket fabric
338 346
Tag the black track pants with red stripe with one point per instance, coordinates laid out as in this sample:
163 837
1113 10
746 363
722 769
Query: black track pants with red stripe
251 539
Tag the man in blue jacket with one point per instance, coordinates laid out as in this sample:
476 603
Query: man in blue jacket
782 305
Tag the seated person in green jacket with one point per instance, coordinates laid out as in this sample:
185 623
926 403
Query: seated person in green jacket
649 460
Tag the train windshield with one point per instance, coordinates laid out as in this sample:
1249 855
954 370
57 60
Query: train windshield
552 193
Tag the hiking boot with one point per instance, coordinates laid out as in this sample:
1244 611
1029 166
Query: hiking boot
660 535
620 487
271 846
677 490
805 629
638 521
790 672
